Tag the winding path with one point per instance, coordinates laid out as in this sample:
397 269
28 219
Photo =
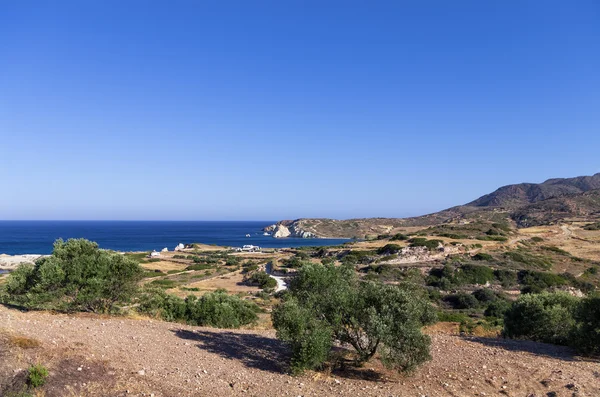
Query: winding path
281 284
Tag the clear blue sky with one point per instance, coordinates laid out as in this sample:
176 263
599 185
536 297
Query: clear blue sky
210 110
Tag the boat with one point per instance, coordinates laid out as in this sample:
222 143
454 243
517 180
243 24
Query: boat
266 234
247 235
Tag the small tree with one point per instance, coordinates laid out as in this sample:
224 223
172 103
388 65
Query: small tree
327 304
77 276
586 336
545 317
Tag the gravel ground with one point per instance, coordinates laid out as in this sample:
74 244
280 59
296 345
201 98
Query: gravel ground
112 356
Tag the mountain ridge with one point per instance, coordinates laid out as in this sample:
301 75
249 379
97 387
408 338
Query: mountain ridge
523 204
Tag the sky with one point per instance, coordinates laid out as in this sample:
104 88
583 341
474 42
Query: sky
266 110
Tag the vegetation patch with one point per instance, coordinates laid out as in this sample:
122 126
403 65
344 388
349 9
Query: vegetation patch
78 276
423 242
328 304
215 309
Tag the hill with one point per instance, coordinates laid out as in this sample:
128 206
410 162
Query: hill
518 195
524 205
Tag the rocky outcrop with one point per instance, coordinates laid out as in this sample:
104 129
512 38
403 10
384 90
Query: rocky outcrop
285 229
281 231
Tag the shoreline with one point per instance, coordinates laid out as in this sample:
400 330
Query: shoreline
10 262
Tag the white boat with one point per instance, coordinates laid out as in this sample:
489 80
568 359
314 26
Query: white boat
266 234
247 235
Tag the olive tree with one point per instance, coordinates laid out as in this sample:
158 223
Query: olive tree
77 276
327 304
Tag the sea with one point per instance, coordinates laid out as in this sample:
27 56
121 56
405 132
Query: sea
36 237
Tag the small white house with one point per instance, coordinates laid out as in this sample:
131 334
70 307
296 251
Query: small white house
250 248
154 254
179 247
165 250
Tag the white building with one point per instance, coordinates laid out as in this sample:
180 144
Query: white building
154 254
250 248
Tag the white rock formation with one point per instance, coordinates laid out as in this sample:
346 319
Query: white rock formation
281 231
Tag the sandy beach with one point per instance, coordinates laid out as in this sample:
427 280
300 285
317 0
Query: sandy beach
9 262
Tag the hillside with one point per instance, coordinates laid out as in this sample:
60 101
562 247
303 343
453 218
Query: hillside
524 204
518 195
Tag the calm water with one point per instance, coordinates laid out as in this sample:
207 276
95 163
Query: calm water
36 237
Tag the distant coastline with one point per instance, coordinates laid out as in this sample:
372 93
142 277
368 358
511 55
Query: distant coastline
37 237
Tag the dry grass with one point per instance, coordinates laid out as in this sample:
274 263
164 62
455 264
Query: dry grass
23 342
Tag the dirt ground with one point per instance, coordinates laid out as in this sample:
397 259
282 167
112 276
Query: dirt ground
113 356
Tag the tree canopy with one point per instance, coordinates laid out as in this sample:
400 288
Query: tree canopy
327 304
78 276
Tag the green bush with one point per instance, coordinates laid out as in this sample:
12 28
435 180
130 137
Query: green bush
481 256
462 301
537 239
536 282
586 335
215 309
593 226
507 278
389 249
452 317
78 276
328 304
36 375
545 317
556 250
497 308
263 280
529 259
485 295
423 242
473 274
356 257
164 283
399 237
232 260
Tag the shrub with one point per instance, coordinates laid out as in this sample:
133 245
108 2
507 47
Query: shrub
481 256
462 301
423 242
452 317
326 304
556 250
263 280
356 257
545 317
399 237
473 274
529 259
507 278
536 282
232 260
389 249
593 226
215 309
497 308
485 295
537 239
586 335
78 276
220 310
36 375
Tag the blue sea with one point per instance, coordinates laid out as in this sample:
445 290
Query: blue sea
36 237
